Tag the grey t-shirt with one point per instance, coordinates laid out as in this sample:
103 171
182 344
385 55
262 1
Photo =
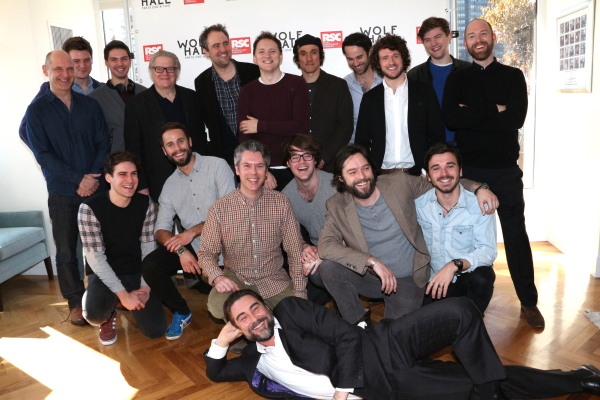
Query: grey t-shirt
385 238
311 215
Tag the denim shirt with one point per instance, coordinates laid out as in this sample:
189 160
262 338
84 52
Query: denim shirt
68 143
464 233
356 91
77 87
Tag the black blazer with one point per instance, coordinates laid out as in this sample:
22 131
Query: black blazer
207 94
332 116
425 122
143 120
319 341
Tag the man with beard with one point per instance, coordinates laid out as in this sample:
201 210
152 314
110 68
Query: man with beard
399 120
330 100
189 192
303 350
218 89
371 242
357 48
461 241
486 105
436 37
117 91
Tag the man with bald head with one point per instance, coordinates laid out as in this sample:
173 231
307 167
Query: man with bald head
486 104
69 137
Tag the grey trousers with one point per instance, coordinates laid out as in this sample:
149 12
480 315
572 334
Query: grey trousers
345 286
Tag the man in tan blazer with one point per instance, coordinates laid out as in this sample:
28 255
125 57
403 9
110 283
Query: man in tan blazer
371 242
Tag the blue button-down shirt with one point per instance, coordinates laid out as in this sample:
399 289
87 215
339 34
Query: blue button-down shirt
357 92
77 87
464 233
68 143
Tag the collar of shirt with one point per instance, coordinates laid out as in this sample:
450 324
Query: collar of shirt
462 200
402 90
243 199
159 96
491 66
263 349
195 168
280 78
77 87
376 79
216 76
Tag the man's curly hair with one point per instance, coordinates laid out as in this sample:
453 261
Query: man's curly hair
391 42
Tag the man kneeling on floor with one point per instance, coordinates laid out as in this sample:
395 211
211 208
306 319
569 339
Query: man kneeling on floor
117 232
305 350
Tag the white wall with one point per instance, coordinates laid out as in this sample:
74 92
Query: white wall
25 43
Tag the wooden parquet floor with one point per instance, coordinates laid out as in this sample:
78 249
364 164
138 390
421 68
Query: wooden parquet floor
58 363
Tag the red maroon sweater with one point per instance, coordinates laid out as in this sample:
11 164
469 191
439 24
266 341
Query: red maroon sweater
282 110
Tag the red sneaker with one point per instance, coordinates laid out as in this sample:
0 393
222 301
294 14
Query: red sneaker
108 330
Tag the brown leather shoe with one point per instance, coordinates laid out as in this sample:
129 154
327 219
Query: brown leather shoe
77 316
534 316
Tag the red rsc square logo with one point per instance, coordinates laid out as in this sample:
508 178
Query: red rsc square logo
331 40
150 50
240 45
419 41
193 1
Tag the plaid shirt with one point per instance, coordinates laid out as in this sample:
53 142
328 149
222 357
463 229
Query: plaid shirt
250 239
227 94
91 232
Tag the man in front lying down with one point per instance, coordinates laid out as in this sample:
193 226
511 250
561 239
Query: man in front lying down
302 350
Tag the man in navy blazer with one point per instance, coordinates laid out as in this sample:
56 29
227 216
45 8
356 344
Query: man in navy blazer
401 118
303 350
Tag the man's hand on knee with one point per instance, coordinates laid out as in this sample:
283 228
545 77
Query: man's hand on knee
225 285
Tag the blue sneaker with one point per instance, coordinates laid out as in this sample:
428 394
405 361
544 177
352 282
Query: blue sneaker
179 322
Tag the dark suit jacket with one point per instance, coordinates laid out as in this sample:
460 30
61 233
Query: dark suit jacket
332 116
425 122
343 225
319 341
143 120
207 94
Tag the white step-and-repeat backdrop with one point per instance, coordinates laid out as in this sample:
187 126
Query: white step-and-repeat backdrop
175 25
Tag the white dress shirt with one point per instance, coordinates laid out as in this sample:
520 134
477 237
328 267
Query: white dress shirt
397 144
276 365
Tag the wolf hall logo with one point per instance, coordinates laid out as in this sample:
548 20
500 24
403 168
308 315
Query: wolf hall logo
377 32
151 4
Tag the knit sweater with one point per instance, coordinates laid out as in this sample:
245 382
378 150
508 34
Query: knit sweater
486 137
282 110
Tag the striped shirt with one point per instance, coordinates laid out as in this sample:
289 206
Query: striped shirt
250 239
227 94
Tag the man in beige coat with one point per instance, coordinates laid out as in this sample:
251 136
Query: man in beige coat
371 242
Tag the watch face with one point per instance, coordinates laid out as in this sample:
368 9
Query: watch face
181 250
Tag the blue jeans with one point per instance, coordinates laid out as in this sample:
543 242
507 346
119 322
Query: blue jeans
63 213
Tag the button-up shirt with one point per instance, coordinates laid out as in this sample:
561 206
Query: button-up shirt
190 197
397 144
463 234
227 95
250 238
68 143
77 87
276 365
357 91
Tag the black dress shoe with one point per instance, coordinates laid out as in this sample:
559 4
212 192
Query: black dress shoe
487 391
374 302
202 287
591 383
534 316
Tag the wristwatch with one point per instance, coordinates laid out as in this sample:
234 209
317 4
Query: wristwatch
180 251
459 264
482 186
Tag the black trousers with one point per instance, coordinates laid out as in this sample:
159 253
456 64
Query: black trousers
157 269
477 286
506 183
406 343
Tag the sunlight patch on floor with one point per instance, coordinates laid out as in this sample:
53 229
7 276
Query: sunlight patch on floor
70 369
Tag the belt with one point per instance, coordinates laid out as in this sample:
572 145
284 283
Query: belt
392 170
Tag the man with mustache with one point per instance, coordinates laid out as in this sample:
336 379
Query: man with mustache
302 350
189 192
399 120
371 242
486 105
461 241
357 48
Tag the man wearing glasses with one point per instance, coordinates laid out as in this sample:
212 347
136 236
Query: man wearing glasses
148 111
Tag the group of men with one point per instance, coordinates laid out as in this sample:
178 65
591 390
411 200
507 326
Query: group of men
343 188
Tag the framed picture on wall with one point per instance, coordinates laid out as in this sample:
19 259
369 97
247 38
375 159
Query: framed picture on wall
574 32
58 33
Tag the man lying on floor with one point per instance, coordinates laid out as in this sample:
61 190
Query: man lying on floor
302 350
